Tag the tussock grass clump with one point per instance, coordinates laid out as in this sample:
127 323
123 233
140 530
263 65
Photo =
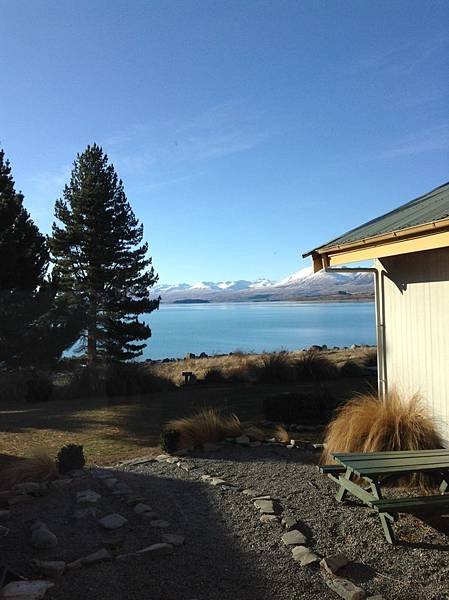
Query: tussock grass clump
39 466
368 424
281 434
206 426
313 365
255 433
276 367
369 357
214 375
352 368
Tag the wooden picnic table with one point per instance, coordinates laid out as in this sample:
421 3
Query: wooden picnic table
363 476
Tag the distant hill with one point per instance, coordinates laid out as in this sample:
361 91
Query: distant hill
302 285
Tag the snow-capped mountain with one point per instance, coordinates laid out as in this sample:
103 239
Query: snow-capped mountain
300 285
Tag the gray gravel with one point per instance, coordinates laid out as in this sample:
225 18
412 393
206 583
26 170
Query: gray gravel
228 552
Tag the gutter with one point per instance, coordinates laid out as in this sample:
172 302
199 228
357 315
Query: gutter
380 322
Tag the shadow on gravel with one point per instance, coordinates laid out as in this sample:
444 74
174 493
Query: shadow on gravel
213 563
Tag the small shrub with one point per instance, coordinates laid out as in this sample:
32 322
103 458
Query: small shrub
281 434
206 426
313 408
69 458
39 466
214 376
170 440
39 388
368 424
352 368
276 368
313 365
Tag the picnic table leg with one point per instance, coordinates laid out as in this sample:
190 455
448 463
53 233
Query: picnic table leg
386 520
444 485
342 491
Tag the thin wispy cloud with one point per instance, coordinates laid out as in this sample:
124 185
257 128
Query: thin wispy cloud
431 140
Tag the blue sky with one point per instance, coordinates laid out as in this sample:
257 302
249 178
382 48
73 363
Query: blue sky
246 132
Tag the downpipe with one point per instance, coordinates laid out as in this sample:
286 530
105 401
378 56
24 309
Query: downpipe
380 324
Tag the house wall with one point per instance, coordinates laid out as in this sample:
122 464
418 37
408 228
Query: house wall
416 317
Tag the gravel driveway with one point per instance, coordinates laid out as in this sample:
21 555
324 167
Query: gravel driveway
228 552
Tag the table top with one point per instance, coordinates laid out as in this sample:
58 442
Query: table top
382 463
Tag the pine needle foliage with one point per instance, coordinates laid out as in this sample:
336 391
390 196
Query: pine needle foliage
101 260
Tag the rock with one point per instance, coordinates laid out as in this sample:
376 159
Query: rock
95 557
205 477
142 508
266 507
4 514
87 496
3 531
162 457
331 564
344 588
85 513
76 564
110 483
42 537
243 440
173 539
61 483
28 487
26 590
304 555
216 481
78 473
49 568
290 446
294 538
268 519
160 524
289 523
19 499
249 492
113 521
271 440
171 460
266 497
157 549
377 597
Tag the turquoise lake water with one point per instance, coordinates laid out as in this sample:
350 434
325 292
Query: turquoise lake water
262 326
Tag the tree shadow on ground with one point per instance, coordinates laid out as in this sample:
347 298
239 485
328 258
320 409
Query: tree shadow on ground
217 561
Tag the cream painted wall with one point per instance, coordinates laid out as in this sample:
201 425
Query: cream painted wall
416 316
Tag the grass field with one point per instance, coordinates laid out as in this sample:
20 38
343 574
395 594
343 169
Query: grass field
121 428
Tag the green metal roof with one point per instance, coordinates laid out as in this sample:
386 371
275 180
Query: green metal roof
428 208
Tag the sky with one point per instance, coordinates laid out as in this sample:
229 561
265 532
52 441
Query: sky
246 131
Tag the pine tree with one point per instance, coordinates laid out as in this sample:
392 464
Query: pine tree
101 261
34 327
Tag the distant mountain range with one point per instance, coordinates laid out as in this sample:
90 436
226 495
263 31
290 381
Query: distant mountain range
302 285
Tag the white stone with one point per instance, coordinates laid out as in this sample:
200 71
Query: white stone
216 481
160 524
42 537
113 521
333 563
265 506
25 590
289 523
87 496
162 457
157 549
95 557
49 568
242 440
249 492
304 555
344 588
142 508
173 539
294 538
268 519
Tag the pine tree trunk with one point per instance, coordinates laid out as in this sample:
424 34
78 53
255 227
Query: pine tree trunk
92 335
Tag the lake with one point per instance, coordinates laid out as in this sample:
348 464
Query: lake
257 327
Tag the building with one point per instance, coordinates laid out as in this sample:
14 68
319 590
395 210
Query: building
410 248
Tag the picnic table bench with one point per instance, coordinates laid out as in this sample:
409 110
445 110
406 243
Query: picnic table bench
363 475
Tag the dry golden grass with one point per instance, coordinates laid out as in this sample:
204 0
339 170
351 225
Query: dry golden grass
368 424
206 426
248 367
39 466
281 434
255 433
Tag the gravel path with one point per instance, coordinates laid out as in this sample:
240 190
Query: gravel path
228 552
